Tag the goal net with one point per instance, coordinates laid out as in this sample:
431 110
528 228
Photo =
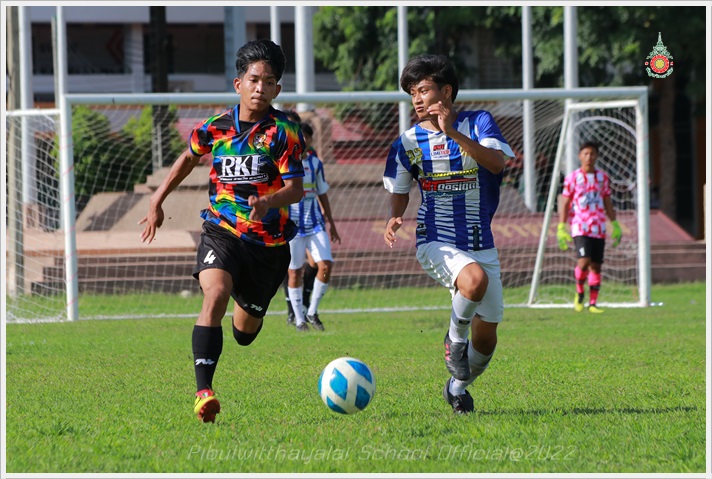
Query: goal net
122 146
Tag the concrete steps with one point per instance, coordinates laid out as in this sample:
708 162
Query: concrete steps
172 272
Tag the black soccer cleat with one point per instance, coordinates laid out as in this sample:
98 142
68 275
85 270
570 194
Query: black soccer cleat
315 322
291 320
462 404
302 327
456 359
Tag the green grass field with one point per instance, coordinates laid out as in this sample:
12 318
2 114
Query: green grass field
568 393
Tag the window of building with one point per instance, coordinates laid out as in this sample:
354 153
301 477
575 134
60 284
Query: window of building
191 48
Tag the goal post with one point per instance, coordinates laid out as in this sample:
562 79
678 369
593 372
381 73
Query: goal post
103 173
567 137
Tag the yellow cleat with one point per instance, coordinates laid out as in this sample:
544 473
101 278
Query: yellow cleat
206 405
594 309
578 306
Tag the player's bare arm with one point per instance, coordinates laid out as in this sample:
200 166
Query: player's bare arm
608 205
291 192
154 218
326 210
564 208
490 159
398 205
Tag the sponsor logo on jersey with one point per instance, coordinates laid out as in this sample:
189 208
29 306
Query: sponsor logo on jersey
241 169
439 151
448 185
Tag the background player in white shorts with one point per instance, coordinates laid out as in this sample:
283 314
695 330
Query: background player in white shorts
311 235
457 159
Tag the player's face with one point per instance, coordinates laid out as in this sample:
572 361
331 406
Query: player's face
257 88
426 93
307 140
588 158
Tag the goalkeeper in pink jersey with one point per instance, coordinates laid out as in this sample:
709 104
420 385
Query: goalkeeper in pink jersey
586 201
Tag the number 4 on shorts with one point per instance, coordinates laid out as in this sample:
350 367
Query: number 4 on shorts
209 258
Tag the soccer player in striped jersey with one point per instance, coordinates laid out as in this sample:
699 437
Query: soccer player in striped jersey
586 203
312 237
457 158
310 268
256 173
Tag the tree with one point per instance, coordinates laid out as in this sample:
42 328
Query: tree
360 45
114 161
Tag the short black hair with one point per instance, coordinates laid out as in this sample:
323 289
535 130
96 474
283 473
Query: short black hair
307 129
293 116
438 68
588 144
261 51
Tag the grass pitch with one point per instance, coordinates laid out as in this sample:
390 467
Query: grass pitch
565 393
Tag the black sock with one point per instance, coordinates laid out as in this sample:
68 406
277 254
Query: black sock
580 298
207 347
309 276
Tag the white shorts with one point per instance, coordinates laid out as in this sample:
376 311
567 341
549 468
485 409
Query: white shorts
318 245
443 262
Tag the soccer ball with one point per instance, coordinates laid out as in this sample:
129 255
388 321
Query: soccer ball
346 385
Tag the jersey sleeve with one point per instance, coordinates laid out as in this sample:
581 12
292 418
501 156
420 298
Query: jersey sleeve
289 160
486 132
201 138
321 185
568 189
397 177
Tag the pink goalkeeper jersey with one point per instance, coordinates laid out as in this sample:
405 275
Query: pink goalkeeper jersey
587 214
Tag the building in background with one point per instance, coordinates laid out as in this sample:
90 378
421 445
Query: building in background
108 50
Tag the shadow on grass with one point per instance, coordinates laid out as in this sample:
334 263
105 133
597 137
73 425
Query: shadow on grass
586 411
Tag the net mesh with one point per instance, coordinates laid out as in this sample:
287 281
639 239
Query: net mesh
122 152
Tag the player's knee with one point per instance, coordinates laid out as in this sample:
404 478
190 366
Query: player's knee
216 294
245 339
325 267
473 283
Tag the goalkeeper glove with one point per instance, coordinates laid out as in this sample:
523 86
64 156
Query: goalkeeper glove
563 236
616 233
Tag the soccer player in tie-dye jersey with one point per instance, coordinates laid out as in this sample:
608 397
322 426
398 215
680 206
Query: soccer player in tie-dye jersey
457 159
256 173
312 237
586 201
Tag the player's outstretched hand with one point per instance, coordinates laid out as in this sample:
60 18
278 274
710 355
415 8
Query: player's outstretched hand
563 237
392 226
153 220
616 234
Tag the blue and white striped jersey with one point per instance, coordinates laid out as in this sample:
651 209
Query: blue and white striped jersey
307 213
459 198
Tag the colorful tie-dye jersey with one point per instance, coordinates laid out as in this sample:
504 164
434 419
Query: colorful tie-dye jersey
587 213
307 213
459 198
250 162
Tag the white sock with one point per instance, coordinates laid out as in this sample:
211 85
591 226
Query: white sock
478 364
463 310
295 296
317 293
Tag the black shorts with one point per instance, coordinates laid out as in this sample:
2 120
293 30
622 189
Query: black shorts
257 271
590 248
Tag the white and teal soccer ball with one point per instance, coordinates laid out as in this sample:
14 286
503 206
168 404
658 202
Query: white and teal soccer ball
347 385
